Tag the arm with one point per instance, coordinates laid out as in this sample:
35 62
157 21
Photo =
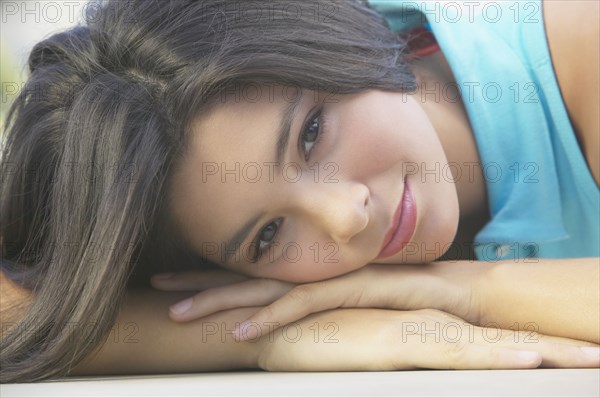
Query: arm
145 340
556 297
337 340
560 296
576 60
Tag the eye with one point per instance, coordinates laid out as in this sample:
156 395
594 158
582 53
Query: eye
265 239
311 134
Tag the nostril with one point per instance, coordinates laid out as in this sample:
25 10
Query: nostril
367 194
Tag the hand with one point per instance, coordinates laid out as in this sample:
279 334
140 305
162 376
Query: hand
220 290
379 340
375 339
444 286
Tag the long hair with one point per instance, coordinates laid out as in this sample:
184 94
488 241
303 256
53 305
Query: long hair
100 125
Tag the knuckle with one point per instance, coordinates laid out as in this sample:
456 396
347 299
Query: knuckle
267 312
522 336
300 295
356 298
456 353
547 347
206 301
208 294
212 298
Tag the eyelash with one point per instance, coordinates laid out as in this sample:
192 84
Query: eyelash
321 118
258 250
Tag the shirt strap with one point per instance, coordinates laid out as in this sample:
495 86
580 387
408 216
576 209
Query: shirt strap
421 42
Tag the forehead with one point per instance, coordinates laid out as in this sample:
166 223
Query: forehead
228 144
236 121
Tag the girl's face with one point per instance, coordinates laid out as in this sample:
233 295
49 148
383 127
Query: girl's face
312 181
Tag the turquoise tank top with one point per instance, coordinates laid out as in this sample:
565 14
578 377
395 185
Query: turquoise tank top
543 199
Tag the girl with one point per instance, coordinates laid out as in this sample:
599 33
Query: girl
531 155
171 136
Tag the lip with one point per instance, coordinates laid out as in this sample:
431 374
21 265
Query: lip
403 224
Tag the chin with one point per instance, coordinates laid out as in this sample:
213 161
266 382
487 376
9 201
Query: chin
444 228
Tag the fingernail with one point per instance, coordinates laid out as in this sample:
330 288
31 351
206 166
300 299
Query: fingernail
182 307
591 351
165 275
528 355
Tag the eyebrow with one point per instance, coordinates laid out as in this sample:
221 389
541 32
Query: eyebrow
285 128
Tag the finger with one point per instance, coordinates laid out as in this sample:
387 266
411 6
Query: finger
196 280
554 351
299 302
475 356
567 356
250 293
458 345
428 351
557 352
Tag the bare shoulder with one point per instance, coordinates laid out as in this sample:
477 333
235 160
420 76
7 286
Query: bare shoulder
573 32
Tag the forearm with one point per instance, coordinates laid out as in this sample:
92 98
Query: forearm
144 340
559 297
342 340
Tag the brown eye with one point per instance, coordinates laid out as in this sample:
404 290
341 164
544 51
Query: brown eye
269 232
265 239
310 135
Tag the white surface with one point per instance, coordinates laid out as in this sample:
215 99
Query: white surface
479 383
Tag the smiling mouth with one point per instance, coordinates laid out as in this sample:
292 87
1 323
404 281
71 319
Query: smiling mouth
403 224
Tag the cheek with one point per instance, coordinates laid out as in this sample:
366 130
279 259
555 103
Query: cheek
365 142
380 130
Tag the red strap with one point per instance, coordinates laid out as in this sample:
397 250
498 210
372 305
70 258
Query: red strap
421 43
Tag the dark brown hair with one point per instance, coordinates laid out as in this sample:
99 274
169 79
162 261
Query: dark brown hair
96 133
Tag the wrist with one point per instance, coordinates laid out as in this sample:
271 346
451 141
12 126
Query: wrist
466 288
482 288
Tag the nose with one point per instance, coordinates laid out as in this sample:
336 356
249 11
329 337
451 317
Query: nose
339 209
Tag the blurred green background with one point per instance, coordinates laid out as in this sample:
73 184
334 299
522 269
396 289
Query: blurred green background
22 25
